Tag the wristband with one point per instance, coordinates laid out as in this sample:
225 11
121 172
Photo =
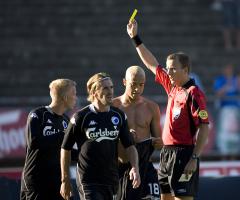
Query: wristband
136 41
194 157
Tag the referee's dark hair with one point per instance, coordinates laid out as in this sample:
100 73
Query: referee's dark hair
182 58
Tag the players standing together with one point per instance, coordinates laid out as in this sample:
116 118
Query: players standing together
115 137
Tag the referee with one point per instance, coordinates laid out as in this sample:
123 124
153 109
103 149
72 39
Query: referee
186 125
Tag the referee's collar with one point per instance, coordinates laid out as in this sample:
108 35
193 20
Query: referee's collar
190 83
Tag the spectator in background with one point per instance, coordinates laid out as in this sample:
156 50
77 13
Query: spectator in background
226 87
41 177
231 21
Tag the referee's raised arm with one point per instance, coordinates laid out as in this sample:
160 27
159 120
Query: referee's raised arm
146 56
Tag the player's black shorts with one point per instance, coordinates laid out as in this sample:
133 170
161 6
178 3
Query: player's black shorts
149 188
46 190
96 192
40 195
173 160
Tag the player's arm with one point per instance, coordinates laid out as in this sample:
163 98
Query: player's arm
65 175
201 140
197 105
132 156
146 56
156 131
65 158
133 159
33 129
131 151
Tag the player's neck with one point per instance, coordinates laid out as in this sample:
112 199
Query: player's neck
100 107
57 108
184 81
128 100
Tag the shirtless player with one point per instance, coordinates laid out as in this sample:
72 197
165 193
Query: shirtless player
144 123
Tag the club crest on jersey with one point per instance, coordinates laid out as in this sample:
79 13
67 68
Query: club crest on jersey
115 120
176 112
64 123
99 135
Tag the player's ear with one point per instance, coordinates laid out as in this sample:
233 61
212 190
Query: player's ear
186 70
65 98
124 82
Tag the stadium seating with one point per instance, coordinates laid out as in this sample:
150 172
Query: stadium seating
46 39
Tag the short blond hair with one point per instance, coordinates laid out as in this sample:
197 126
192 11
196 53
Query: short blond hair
59 87
133 71
94 82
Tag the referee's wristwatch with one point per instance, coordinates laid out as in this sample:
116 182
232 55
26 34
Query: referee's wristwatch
194 157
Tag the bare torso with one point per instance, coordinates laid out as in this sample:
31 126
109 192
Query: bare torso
140 115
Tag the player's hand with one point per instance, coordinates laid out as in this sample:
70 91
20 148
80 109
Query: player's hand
135 177
66 189
157 142
132 28
191 166
134 134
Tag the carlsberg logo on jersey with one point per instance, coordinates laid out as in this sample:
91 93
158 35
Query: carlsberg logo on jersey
47 131
100 134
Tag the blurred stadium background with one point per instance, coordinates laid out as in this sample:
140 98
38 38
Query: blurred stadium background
42 40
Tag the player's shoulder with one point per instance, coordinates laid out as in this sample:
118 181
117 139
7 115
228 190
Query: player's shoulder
79 114
82 111
39 109
37 112
66 117
150 102
195 90
116 109
117 101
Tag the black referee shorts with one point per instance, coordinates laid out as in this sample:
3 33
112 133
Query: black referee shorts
96 192
173 160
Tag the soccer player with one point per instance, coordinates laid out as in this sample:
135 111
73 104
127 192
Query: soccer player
185 130
144 123
96 129
41 176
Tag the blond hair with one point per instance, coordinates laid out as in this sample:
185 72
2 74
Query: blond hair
59 87
94 82
133 71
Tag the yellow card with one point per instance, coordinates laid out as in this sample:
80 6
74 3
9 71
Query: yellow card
133 15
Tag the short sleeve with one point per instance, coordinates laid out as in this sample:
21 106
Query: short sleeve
198 107
163 79
33 129
71 132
